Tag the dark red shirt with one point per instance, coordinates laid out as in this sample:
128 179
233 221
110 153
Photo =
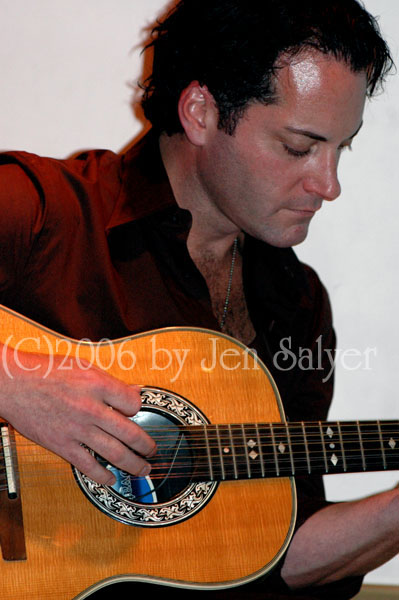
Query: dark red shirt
95 247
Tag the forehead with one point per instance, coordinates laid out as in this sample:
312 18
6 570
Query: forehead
312 72
317 87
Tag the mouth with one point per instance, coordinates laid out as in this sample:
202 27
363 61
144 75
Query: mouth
305 212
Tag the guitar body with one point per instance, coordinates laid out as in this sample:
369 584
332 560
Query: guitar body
73 548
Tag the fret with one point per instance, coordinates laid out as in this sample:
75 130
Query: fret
245 449
216 453
262 466
350 441
324 447
227 453
281 444
314 445
199 454
384 460
371 440
253 451
390 435
208 452
274 450
306 447
220 453
290 450
300 462
361 445
333 447
240 453
342 446
265 464
233 453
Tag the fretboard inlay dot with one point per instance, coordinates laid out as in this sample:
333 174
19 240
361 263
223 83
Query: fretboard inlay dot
334 460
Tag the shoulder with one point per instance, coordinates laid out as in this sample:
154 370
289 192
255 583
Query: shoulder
36 187
46 203
301 280
317 294
290 280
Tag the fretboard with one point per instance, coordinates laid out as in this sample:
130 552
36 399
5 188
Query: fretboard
226 452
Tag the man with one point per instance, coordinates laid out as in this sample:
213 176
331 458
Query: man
251 105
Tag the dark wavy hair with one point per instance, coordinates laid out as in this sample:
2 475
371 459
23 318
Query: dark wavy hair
233 47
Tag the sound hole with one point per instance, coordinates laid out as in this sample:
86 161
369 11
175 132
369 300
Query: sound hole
170 494
171 468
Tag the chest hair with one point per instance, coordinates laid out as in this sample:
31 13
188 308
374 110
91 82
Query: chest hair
216 274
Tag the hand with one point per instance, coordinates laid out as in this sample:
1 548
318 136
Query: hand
74 407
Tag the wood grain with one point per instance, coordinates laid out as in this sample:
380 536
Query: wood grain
240 534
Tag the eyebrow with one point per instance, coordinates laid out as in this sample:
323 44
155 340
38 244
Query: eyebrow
315 136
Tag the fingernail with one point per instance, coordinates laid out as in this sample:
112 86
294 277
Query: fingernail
145 471
111 480
152 452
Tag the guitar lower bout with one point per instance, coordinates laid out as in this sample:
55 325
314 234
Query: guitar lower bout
199 531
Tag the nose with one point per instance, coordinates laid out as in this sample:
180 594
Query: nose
322 179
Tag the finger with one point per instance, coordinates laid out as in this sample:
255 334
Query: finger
85 462
125 398
119 455
128 432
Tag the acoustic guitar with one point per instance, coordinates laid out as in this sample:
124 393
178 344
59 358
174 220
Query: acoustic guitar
218 509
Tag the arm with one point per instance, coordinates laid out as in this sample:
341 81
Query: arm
70 408
349 538
67 408
343 540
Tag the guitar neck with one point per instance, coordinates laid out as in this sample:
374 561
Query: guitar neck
250 451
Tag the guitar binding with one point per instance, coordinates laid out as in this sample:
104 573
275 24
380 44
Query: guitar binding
162 504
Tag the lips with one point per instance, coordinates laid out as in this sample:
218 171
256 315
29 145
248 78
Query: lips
307 210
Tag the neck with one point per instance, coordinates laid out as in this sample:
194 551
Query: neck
211 233
252 451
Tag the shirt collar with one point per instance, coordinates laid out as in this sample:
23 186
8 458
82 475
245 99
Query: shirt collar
145 191
144 184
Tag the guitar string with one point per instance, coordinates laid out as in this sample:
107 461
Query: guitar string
205 476
299 455
252 429
242 460
199 441
297 452
312 458
282 460
269 448
243 457
298 445
282 455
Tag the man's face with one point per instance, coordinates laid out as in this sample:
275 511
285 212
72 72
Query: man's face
273 174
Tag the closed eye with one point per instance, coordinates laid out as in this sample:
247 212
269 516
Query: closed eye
296 153
302 153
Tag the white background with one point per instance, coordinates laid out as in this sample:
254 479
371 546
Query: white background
66 75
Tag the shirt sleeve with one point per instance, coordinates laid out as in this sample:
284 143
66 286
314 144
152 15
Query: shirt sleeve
312 395
21 217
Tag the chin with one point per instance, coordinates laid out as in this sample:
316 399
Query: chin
295 237
285 239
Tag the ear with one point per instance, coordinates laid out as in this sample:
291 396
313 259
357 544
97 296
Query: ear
197 112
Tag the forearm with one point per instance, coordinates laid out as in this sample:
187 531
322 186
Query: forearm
344 540
67 409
